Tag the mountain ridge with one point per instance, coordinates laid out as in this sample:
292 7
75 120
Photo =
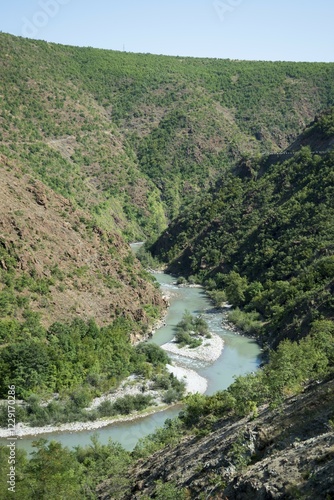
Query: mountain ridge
131 138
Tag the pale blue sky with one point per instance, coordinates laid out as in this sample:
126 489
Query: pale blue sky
294 30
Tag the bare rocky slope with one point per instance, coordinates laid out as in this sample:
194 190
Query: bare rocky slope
283 453
58 262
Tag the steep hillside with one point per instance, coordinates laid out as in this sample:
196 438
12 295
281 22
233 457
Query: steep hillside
131 137
266 236
56 261
281 454
56 130
73 301
318 136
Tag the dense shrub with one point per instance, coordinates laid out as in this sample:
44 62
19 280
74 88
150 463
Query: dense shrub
190 330
248 322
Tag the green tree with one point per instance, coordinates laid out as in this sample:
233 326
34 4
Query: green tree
53 472
236 287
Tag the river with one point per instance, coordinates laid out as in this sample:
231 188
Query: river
241 355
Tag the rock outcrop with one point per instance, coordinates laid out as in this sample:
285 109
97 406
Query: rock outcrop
284 453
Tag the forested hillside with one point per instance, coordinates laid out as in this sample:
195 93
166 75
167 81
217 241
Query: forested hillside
265 236
131 137
72 296
263 240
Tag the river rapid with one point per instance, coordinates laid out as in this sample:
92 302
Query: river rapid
240 355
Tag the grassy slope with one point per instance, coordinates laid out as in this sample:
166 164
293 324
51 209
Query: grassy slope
54 128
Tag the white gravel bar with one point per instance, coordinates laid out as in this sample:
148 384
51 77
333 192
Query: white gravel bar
209 351
194 382
22 430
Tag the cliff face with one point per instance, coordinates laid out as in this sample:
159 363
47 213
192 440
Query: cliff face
281 454
56 261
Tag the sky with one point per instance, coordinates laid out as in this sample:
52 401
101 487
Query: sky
290 30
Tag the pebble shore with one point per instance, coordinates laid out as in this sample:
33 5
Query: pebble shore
209 351
194 382
22 430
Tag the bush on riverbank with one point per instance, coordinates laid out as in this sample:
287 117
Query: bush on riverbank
147 259
218 297
78 361
174 388
56 412
153 354
248 322
37 415
126 405
73 408
190 330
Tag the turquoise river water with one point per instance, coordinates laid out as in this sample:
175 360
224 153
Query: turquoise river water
241 355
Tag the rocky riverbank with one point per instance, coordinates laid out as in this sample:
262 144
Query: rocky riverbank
131 386
208 352
22 430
